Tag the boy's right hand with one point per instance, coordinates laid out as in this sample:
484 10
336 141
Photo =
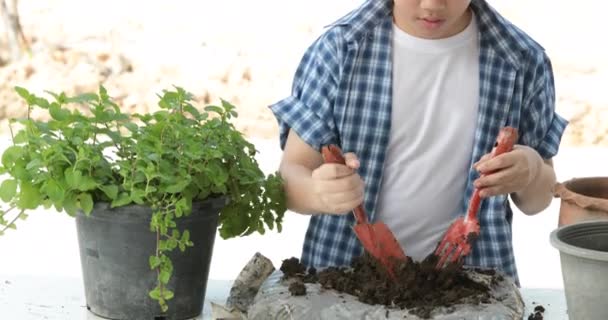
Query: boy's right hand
338 187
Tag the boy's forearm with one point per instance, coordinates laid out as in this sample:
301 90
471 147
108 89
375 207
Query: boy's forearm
298 187
538 194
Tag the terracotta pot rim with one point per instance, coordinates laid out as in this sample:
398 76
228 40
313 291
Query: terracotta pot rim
586 202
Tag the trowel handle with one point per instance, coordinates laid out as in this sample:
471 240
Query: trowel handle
504 143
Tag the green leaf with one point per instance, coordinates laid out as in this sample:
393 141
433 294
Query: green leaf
177 187
86 202
161 116
85 97
54 191
123 199
154 262
41 102
34 165
23 93
58 98
168 294
227 105
182 206
162 245
20 137
8 190
103 93
10 155
186 236
155 294
178 211
137 196
58 113
87 183
73 178
193 111
215 109
70 205
111 191
164 276
131 126
29 196
171 244
48 203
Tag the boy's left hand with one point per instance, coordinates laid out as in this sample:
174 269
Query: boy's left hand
514 171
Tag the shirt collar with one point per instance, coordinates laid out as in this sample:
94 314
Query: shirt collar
364 19
497 34
495 31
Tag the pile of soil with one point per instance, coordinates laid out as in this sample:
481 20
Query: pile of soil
537 314
419 288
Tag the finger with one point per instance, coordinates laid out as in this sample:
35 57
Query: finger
331 171
484 158
499 162
351 160
349 206
495 179
352 183
343 202
491 191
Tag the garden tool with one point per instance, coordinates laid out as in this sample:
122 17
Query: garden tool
376 238
464 231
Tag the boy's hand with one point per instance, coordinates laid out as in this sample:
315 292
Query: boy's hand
515 170
338 187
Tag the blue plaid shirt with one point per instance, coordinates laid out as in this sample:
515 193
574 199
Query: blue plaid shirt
342 94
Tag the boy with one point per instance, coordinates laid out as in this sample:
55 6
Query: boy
415 92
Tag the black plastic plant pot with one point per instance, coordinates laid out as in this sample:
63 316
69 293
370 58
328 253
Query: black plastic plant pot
115 246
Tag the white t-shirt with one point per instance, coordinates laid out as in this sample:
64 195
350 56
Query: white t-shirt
434 113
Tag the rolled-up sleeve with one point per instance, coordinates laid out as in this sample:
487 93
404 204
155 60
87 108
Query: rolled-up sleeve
542 126
309 109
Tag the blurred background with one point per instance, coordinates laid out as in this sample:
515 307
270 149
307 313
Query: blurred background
246 52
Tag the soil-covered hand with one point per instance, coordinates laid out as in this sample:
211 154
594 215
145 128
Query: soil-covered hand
338 187
514 171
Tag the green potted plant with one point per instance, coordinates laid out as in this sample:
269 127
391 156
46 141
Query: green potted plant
141 186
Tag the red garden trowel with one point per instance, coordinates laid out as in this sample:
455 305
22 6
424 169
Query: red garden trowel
376 238
460 235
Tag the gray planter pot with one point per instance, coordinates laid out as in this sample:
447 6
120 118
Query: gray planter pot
115 245
583 251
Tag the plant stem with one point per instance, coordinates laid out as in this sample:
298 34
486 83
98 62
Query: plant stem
10 128
118 149
160 284
13 221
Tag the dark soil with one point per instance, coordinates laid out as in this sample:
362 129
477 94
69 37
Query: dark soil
297 288
419 287
537 314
